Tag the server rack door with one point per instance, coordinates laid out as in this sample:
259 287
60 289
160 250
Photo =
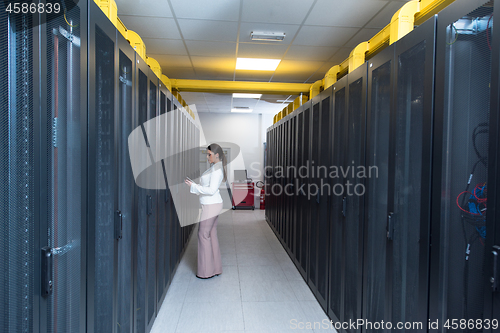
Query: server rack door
127 120
304 181
293 178
410 169
323 174
286 206
493 303
276 180
102 166
171 179
19 152
336 283
460 270
162 197
267 171
313 194
152 209
354 193
62 173
379 102
280 181
270 195
143 205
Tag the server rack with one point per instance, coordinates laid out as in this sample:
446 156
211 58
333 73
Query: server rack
91 245
410 167
102 171
320 199
59 144
304 157
465 148
379 109
336 281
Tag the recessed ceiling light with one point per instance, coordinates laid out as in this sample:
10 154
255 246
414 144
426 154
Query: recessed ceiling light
240 95
241 109
267 36
257 64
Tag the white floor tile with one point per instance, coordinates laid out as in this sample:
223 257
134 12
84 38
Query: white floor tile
211 317
272 316
266 291
259 291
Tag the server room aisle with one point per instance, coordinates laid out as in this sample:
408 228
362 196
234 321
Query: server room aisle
260 290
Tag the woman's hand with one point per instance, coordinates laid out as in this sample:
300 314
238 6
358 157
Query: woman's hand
188 182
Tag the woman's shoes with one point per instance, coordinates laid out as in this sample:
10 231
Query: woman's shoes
199 277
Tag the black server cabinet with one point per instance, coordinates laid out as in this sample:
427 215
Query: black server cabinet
43 90
464 162
354 193
348 195
410 176
152 201
492 306
338 144
125 218
292 221
279 197
102 172
62 137
379 105
304 156
145 199
319 194
20 148
164 220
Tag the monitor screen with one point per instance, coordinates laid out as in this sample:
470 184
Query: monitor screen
240 175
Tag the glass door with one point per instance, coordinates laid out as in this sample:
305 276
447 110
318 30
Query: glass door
65 175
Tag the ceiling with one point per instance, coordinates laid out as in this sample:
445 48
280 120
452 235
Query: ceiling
201 39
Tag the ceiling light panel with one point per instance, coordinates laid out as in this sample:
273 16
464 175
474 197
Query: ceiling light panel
241 95
241 109
267 36
257 64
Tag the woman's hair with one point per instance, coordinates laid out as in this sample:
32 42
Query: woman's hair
216 149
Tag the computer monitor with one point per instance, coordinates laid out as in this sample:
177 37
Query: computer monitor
240 176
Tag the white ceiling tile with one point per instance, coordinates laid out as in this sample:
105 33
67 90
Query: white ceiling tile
324 36
384 17
179 72
152 27
206 48
341 55
340 13
214 97
165 46
209 30
214 62
246 28
213 74
265 51
316 53
158 8
241 102
362 36
227 10
172 61
276 11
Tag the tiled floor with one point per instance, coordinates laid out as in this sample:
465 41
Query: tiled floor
260 290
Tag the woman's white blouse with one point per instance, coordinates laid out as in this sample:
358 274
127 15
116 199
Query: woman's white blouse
208 189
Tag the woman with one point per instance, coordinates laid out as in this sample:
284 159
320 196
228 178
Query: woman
209 258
